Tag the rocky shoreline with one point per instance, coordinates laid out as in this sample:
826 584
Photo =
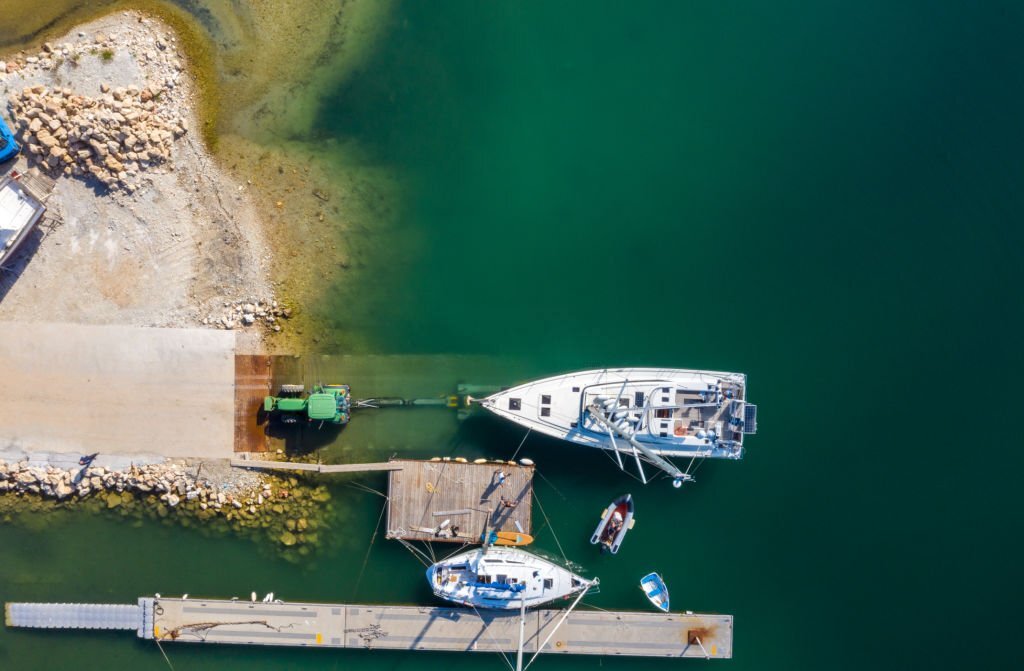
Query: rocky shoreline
112 138
286 510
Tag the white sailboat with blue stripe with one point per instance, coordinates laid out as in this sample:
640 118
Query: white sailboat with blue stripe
503 578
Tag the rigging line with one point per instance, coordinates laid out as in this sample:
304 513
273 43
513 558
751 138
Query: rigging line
487 630
528 430
565 616
606 453
373 539
161 649
592 606
548 522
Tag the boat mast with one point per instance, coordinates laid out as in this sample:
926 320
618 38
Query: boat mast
678 477
583 593
522 633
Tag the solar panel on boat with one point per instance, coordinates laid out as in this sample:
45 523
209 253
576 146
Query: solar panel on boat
750 418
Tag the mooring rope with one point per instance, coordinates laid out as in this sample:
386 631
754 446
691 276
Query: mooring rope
548 522
419 554
521 443
161 649
373 539
551 484
360 486
458 550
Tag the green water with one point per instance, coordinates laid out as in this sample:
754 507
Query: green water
826 197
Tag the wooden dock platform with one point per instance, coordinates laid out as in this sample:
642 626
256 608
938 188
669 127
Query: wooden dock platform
423 494
316 468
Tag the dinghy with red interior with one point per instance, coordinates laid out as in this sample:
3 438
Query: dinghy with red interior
616 520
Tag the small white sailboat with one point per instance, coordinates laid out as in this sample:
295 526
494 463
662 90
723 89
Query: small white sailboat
616 520
656 591
503 578
649 414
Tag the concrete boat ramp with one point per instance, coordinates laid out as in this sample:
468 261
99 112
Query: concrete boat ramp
583 632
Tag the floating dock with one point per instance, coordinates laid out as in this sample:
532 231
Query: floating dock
584 632
472 497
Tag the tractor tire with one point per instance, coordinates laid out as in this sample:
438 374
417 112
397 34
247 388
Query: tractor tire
292 388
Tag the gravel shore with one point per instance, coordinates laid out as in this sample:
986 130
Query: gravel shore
150 233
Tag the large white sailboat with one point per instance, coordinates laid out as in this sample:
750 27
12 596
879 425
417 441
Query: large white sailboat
644 414
503 578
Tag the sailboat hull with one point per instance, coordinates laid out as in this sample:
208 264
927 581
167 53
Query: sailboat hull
672 412
503 579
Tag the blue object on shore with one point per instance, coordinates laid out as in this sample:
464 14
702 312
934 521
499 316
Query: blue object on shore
9 147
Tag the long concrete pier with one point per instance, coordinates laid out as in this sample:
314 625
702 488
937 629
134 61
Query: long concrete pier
583 632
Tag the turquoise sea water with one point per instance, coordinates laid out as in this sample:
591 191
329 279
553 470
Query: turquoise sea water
825 197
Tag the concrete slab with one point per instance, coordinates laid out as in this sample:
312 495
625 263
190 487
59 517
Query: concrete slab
72 388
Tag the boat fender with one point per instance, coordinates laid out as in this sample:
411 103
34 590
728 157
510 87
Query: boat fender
479 461
526 462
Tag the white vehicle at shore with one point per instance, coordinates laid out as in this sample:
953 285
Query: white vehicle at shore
20 212
646 414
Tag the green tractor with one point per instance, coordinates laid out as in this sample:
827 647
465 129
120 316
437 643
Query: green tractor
326 403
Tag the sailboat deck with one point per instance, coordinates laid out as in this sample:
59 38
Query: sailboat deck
472 497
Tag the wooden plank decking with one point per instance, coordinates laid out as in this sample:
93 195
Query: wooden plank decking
316 468
423 494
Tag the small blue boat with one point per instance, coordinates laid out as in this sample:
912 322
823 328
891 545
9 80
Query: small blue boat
8 146
655 589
